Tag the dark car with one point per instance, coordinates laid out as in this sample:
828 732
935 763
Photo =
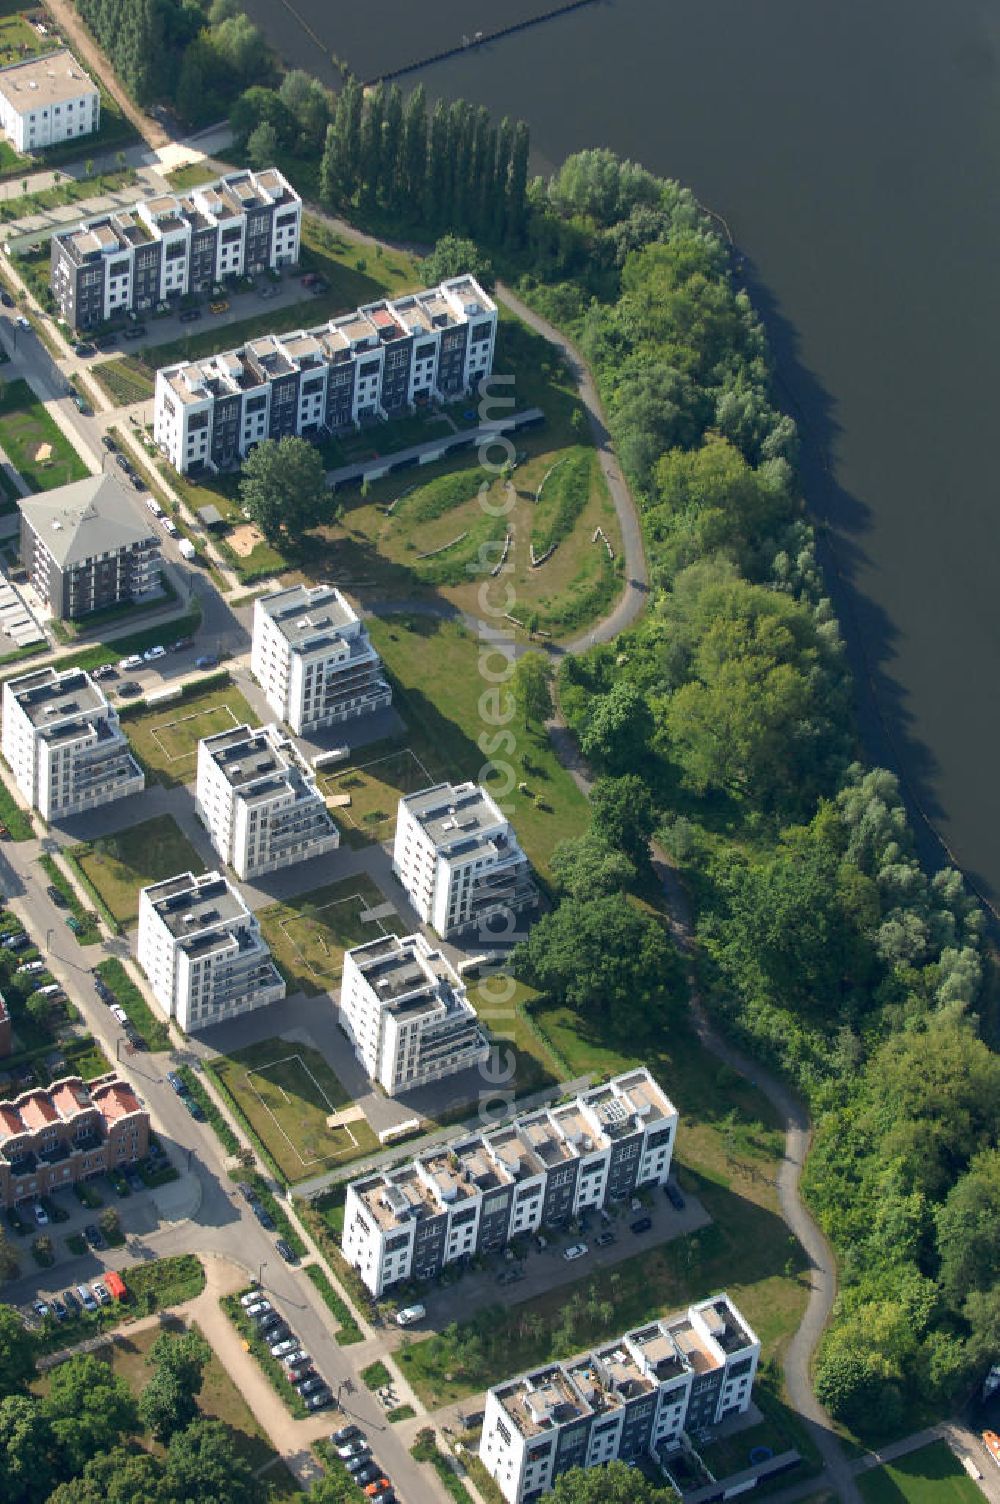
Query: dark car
94 1236
641 1224
6 299
269 1319
263 1216
130 688
122 462
287 1253
71 1303
135 331
345 1434
133 1179
246 1190
189 315
109 442
17 941
674 1196
362 1468
85 350
207 660
195 1109
106 341
321 1399
175 1081
180 645
104 671
603 1239
58 1309
137 481
59 899
311 1386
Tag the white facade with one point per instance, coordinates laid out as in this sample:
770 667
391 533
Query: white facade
477 1193
259 801
202 950
64 745
459 860
405 1010
378 362
46 100
632 1399
312 658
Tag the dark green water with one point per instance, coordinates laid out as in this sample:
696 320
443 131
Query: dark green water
853 147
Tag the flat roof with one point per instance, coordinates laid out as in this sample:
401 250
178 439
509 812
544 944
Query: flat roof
455 813
304 614
189 904
49 696
48 79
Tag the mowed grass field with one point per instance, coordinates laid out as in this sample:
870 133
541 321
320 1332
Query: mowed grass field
166 737
503 1006
308 934
439 680
119 865
383 773
34 444
931 1476
287 1091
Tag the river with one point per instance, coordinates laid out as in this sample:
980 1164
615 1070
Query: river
853 147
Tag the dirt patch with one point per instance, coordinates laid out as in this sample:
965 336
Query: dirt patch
244 539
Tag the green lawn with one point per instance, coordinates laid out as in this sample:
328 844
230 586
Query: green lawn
124 379
931 1476
150 1025
308 934
438 684
286 1091
25 427
165 737
383 772
503 1005
119 865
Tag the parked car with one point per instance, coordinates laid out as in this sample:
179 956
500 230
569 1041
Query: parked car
246 1190
109 442
122 462
71 1303
222 306
251 1298
134 660
268 1320
361 1468
101 1294
137 481
58 1308
22 322
259 1307
296 1361
641 1224
85 350
170 527
80 405
345 1434
320 1399
377 1486
154 507
17 941
207 660
94 1236
40 1309
575 1251
175 1081
296 1376
133 1179
263 1216
674 1196
135 331
194 1108
6 299
57 896
286 1345
603 1239
29 967
410 1314
353 1448
86 1298
118 1012
47 989
189 315
287 1252
129 689
106 341
151 654
105 671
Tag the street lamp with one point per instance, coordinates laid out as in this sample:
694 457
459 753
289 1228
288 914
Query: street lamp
260 1273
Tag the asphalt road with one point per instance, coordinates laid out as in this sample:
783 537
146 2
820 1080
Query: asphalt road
222 1222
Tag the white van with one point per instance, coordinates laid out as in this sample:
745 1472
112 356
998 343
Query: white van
410 1314
49 990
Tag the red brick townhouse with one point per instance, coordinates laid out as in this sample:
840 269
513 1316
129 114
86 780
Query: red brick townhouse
51 1137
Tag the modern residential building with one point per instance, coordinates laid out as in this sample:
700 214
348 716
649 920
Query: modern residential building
459 860
633 1399
6 1040
47 99
542 1169
380 361
69 1131
406 1011
87 546
157 250
259 801
203 952
64 745
312 658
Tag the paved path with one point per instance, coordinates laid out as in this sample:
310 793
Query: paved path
86 49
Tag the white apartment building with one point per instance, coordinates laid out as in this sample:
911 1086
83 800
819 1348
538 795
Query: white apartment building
46 100
312 658
632 1399
64 745
203 952
259 801
406 1011
477 1193
157 250
378 362
459 860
